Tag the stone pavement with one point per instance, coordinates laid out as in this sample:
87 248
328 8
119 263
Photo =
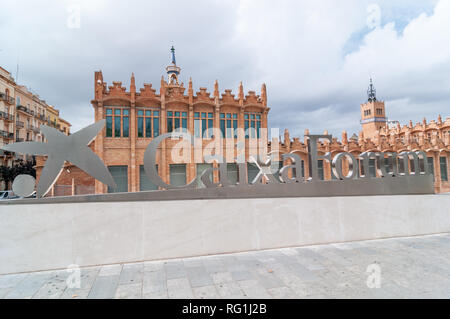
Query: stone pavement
414 267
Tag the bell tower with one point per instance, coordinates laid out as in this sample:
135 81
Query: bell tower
373 114
173 70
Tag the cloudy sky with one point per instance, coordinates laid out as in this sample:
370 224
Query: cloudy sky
316 57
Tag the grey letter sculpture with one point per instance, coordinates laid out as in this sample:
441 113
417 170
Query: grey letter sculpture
61 148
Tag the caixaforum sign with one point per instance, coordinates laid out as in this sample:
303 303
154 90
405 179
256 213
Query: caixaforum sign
403 173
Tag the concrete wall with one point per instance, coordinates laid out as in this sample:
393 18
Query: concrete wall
51 236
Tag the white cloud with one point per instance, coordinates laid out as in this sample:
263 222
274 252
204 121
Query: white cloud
299 46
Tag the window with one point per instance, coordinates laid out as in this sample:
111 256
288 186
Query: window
140 124
109 124
200 169
252 125
303 168
279 166
228 124
176 120
232 173
147 123
252 171
443 164
117 122
203 124
320 170
126 123
368 112
145 184
430 162
412 168
177 174
379 111
292 171
372 167
120 175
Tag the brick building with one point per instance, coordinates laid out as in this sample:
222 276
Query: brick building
135 117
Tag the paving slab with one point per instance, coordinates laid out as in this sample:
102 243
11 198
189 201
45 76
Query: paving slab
415 267
104 287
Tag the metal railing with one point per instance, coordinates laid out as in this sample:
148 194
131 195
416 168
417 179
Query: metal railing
52 124
19 139
6 134
6 98
24 109
20 124
6 116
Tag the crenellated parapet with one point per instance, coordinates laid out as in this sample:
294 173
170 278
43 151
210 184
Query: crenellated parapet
433 136
428 135
174 92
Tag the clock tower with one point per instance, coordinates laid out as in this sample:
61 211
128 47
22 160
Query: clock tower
373 114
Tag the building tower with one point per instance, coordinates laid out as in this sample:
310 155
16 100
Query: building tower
373 116
173 70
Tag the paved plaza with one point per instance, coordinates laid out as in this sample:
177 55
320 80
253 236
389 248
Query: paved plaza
414 267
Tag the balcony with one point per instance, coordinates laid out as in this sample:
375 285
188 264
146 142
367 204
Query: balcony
36 129
20 124
24 110
6 98
19 140
5 134
53 124
6 116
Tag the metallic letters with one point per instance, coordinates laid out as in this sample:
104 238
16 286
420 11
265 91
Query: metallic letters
393 168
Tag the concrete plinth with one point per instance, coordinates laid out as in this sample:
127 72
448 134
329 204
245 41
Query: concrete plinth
52 236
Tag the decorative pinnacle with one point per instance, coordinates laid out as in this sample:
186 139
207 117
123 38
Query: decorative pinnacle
173 55
241 91
190 89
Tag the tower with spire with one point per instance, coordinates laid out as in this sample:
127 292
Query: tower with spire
373 114
173 70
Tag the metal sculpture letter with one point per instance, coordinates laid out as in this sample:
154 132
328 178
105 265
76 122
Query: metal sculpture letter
60 148
150 160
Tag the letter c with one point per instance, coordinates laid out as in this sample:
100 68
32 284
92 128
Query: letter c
150 160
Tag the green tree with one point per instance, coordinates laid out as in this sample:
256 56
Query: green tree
8 174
